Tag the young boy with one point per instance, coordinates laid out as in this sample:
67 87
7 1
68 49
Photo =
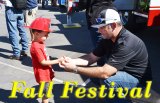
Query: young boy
40 60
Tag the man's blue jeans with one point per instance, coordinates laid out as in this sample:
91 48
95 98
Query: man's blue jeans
121 79
15 26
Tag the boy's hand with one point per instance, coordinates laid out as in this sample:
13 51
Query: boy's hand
60 59
68 59
65 59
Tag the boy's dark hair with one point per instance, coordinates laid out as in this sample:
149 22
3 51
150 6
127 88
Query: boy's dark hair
35 30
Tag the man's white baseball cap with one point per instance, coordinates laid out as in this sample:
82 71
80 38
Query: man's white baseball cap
106 17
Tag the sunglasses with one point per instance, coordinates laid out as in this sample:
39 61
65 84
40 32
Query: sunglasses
100 20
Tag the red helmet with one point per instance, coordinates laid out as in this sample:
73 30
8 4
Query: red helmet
41 24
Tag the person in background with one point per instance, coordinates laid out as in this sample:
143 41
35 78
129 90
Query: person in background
39 1
54 2
15 22
30 13
44 3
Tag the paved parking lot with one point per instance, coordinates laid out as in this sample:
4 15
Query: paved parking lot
69 42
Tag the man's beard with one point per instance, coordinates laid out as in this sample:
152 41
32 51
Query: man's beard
106 37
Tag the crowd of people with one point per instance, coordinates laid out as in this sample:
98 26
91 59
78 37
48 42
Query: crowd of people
121 56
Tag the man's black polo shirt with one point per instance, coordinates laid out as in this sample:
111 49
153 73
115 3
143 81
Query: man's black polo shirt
128 53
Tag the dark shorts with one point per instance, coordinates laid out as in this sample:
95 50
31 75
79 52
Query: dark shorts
45 87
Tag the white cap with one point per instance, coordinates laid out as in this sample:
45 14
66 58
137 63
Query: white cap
107 16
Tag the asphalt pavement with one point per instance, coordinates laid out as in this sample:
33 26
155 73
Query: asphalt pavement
72 42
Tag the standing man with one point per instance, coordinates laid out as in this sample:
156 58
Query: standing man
15 22
127 57
30 13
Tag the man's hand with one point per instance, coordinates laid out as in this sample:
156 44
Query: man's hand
68 64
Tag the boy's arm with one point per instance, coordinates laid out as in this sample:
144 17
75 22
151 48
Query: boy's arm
49 62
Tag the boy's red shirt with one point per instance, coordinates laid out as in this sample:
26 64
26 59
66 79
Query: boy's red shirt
38 54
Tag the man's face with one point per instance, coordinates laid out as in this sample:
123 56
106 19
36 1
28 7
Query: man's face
106 31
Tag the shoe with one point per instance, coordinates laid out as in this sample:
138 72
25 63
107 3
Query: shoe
14 57
23 53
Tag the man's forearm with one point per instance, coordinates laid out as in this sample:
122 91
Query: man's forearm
96 72
99 72
80 62
91 58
